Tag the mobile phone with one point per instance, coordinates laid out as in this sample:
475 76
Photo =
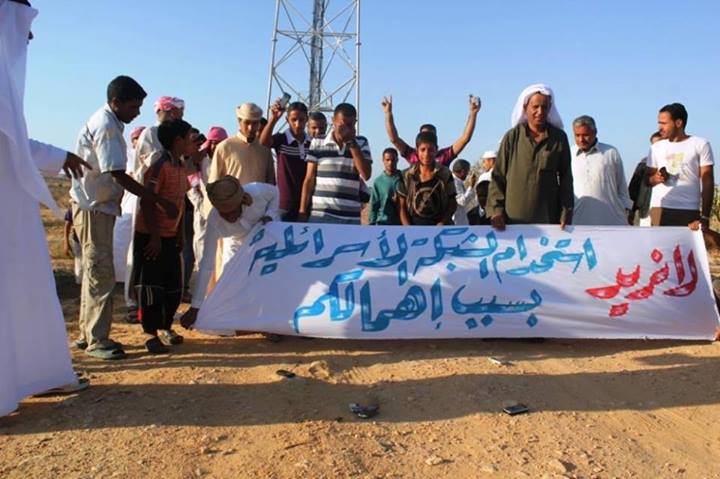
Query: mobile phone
283 101
516 409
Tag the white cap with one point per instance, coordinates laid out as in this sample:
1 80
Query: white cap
488 154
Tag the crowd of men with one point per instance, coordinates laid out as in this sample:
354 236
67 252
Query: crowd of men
201 195
190 199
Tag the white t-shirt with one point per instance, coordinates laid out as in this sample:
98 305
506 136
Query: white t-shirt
102 145
682 160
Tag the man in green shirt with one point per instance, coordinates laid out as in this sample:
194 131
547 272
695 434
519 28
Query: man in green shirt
383 198
532 179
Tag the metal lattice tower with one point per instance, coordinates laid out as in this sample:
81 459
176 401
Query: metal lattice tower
311 55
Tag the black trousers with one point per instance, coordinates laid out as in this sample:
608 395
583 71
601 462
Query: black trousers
290 215
672 216
158 283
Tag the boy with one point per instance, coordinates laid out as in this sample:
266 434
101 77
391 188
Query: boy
290 148
157 243
427 191
317 125
236 210
383 198
445 155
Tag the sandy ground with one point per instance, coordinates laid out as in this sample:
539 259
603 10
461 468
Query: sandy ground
216 408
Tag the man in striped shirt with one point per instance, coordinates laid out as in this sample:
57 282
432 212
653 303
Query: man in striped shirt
335 165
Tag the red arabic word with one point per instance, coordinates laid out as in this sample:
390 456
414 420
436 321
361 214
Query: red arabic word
630 280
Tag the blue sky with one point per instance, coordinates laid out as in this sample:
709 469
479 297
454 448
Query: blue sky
617 61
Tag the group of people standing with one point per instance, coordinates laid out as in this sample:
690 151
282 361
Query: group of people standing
537 177
229 185
216 188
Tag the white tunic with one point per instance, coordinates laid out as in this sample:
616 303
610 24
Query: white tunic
265 203
464 199
122 231
34 355
601 192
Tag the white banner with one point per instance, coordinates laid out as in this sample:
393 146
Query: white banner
373 282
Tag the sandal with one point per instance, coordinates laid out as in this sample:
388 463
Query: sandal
172 337
81 384
107 354
155 346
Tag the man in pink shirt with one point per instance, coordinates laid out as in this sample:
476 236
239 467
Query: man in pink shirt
444 155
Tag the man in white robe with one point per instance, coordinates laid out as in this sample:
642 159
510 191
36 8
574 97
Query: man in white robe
122 231
465 195
235 211
34 355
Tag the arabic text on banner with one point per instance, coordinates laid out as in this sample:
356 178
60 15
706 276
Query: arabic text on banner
372 282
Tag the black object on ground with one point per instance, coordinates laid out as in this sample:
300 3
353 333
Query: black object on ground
364 412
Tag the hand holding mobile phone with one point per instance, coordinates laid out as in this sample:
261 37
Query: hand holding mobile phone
284 100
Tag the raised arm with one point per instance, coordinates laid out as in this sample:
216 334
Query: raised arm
275 114
462 142
395 139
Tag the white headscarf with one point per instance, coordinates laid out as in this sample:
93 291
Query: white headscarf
518 113
15 20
